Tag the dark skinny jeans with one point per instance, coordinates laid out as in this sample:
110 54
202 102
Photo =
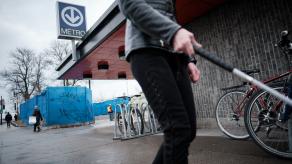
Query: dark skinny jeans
164 79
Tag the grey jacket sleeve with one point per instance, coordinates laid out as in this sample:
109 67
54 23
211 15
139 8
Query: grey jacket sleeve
149 20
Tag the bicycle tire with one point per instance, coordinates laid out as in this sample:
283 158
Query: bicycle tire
270 134
229 119
135 122
149 118
120 123
146 115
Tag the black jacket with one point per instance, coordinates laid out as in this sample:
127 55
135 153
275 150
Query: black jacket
150 23
38 116
8 117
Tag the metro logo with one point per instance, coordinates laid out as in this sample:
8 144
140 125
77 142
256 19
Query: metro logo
72 32
71 21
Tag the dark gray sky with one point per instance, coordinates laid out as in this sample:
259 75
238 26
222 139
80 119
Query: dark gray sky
32 24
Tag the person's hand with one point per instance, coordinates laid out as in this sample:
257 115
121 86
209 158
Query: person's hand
183 41
194 72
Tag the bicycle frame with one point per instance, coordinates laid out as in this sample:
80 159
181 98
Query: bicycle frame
254 88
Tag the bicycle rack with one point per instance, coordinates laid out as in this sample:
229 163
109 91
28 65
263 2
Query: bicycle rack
151 119
136 115
122 110
126 124
115 126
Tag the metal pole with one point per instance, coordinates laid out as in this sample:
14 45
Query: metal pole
150 120
128 119
137 119
154 121
115 127
124 119
74 57
1 110
89 84
17 109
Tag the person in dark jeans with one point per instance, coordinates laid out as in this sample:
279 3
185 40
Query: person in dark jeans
161 53
15 117
8 119
39 118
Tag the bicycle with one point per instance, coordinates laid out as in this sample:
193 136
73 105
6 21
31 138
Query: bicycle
151 124
130 113
235 113
230 107
262 114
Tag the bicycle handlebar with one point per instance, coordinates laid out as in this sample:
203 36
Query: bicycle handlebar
135 96
284 35
285 44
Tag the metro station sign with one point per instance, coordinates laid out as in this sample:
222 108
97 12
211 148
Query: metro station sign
71 21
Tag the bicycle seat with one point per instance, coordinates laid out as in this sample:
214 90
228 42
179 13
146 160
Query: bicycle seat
135 96
251 71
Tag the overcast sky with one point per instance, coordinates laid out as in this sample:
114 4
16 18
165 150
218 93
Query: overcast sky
32 24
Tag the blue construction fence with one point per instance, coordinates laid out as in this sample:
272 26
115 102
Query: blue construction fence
61 106
100 108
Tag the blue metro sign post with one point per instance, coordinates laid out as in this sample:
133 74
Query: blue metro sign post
71 21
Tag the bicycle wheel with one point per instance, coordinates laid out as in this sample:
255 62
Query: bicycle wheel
263 125
229 114
146 115
136 121
150 122
121 121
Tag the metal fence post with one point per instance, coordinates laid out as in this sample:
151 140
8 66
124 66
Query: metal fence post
150 117
124 119
137 119
115 126
1 109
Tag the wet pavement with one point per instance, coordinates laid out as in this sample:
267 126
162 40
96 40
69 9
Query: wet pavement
93 144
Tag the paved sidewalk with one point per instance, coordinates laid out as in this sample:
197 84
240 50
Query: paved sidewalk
94 145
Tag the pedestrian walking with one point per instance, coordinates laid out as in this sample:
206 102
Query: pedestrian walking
110 112
162 60
8 119
15 117
39 118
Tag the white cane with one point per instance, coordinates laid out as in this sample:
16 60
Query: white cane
212 57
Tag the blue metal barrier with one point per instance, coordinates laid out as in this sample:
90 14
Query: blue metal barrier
101 107
61 106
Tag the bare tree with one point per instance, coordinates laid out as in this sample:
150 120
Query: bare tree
41 62
57 53
25 76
